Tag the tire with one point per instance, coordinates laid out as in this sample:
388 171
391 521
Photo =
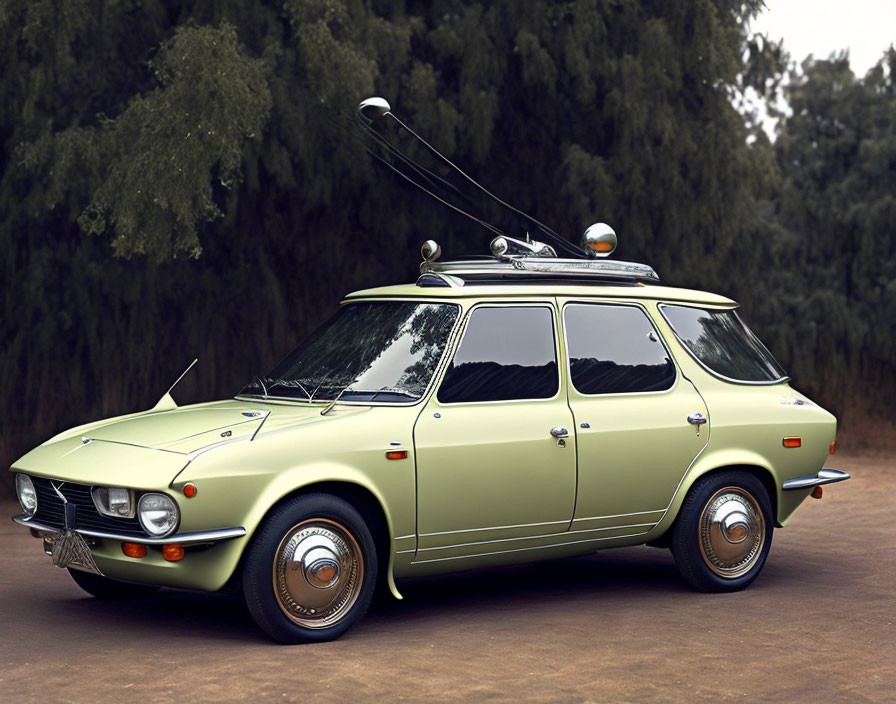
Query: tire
723 532
324 592
110 589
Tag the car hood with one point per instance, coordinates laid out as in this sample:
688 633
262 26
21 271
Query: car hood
190 429
154 446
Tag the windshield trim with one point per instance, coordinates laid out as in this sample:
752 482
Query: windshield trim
728 309
449 344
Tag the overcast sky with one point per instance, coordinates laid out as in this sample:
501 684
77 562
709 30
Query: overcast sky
820 27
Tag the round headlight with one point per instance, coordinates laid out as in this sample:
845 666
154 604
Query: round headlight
158 514
27 495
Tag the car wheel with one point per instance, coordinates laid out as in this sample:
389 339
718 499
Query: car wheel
723 532
110 589
311 570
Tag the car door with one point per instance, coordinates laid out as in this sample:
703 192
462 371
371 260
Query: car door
631 407
489 469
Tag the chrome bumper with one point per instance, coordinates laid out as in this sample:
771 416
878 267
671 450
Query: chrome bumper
202 536
823 476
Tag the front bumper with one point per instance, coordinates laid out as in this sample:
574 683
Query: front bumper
823 476
195 538
208 564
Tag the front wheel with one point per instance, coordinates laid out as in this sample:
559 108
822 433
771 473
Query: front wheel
311 570
723 532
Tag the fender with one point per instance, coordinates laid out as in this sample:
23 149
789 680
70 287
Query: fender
713 460
217 487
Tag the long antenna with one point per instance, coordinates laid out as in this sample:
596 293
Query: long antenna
377 108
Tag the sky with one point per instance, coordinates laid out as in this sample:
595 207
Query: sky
821 27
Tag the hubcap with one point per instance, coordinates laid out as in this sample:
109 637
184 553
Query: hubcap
732 532
318 570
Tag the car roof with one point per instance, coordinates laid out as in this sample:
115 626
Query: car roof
634 290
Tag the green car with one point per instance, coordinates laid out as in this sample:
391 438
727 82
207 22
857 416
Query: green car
501 409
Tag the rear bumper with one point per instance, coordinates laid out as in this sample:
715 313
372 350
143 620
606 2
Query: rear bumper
823 476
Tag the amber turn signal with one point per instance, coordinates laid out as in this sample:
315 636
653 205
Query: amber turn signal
133 549
793 442
817 492
189 490
397 455
833 447
173 552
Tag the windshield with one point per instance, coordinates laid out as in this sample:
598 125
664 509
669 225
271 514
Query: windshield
720 341
382 351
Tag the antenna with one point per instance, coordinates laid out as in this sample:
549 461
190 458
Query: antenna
377 108
166 403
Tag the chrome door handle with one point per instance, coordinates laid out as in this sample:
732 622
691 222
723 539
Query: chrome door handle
697 419
560 432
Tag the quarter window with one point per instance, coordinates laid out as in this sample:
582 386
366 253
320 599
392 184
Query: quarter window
615 350
507 353
720 341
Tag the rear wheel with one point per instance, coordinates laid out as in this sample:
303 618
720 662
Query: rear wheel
723 532
311 570
110 589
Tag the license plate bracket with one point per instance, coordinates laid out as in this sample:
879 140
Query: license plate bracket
68 549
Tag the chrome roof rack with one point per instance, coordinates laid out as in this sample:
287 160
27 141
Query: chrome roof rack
518 261
509 267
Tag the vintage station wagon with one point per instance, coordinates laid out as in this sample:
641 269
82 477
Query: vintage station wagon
505 408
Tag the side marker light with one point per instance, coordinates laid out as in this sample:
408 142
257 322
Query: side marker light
173 552
133 549
793 442
833 447
190 490
817 492
397 455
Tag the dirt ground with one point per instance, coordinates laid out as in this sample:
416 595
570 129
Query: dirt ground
818 625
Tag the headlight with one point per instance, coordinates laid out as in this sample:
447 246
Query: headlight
158 514
27 495
113 501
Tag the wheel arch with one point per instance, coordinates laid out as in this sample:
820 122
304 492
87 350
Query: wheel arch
757 468
360 497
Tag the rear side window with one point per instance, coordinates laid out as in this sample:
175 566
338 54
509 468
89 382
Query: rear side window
720 341
507 353
615 350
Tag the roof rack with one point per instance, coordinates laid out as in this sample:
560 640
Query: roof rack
522 269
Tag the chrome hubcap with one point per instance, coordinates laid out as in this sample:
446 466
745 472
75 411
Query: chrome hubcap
732 532
318 570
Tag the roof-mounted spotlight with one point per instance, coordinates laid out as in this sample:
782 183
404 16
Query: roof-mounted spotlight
599 240
374 108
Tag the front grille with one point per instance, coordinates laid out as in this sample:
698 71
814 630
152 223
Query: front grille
50 509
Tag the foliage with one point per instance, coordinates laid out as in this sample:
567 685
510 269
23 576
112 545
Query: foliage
168 129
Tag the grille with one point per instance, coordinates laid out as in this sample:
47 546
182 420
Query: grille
50 509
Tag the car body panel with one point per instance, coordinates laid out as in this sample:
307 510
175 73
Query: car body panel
619 482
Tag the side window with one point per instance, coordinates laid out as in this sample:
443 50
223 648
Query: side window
506 353
615 350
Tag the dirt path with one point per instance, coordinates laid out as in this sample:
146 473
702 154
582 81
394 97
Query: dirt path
818 625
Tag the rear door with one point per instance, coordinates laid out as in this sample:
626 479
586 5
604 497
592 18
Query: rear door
631 407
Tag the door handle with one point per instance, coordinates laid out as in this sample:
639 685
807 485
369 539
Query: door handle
560 432
697 419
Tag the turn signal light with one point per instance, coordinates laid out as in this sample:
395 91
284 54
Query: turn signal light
189 490
833 447
397 455
817 492
173 552
793 442
133 549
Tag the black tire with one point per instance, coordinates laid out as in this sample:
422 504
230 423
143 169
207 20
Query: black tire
109 589
710 556
292 600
